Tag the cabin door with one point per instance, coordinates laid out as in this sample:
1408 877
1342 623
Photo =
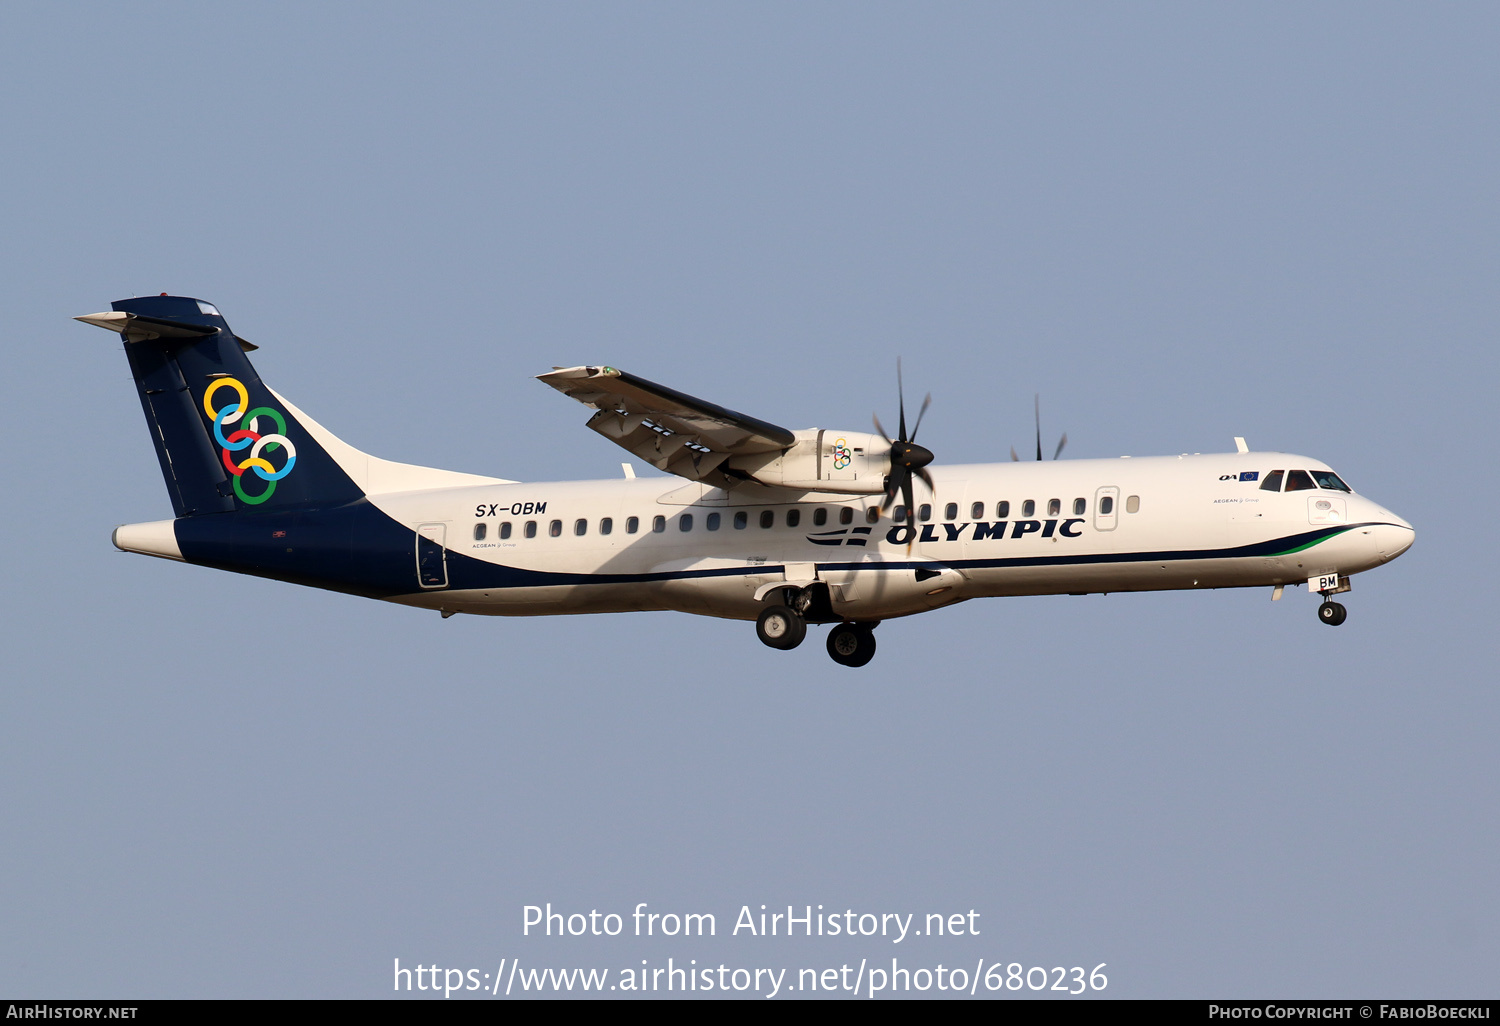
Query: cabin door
432 557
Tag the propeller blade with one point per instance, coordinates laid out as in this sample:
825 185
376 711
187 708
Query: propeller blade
911 512
920 414
1060 445
907 458
1013 457
892 486
922 473
901 401
1038 398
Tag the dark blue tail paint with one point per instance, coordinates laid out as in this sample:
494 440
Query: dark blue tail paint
221 467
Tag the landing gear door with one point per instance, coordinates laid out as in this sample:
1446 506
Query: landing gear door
432 557
1106 508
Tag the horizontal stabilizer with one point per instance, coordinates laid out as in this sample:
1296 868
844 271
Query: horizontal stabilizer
136 328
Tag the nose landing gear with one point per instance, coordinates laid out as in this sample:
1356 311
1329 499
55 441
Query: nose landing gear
1328 585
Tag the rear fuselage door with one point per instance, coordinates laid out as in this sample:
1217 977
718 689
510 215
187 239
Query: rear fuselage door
432 559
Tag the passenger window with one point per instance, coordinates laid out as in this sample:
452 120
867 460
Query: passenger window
950 511
767 517
658 524
531 528
555 529
1054 507
1272 483
820 517
899 514
1079 506
1028 508
1133 504
1106 505
505 529
976 511
632 525
606 525
1328 479
924 512
1298 481
846 515
480 530
872 515
1002 511
793 517
685 522
580 527
740 520
712 522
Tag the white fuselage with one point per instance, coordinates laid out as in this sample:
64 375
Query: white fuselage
1129 524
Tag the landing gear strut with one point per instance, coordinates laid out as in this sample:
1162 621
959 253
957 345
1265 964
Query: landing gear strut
852 644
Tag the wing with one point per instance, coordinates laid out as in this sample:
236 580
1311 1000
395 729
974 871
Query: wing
669 430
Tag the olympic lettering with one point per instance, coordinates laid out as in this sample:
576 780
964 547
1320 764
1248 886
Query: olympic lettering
248 436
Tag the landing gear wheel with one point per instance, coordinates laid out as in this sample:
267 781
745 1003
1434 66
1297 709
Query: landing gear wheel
1333 613
851 644
779 627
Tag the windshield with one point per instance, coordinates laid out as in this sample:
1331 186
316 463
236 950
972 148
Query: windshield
1328 479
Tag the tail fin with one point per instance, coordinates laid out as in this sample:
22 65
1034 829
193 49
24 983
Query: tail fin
224 440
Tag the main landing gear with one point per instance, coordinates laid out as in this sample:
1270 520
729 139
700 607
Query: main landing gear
852 644
785 627
780 627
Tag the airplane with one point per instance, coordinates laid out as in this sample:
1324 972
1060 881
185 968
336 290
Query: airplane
756 522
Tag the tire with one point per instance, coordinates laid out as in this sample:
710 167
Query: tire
851 644
780 627
1333 613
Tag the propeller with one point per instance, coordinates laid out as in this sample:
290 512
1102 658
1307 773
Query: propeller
1061 442
907 457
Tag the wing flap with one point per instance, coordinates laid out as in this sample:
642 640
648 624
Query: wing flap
671 430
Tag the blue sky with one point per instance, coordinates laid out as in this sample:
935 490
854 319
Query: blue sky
1178 223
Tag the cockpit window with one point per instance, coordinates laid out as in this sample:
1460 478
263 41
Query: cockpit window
1328 479
1272 483
1299 481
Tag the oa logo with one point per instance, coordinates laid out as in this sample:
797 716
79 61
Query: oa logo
841 455
249 436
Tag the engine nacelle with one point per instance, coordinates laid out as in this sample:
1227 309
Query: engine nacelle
855 462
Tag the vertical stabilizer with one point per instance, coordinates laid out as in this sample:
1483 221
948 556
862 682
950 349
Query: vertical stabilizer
223 439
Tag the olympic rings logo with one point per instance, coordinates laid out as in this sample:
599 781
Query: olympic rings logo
248 436
841 454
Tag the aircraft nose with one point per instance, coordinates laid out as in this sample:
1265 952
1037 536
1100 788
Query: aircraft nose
1393 537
